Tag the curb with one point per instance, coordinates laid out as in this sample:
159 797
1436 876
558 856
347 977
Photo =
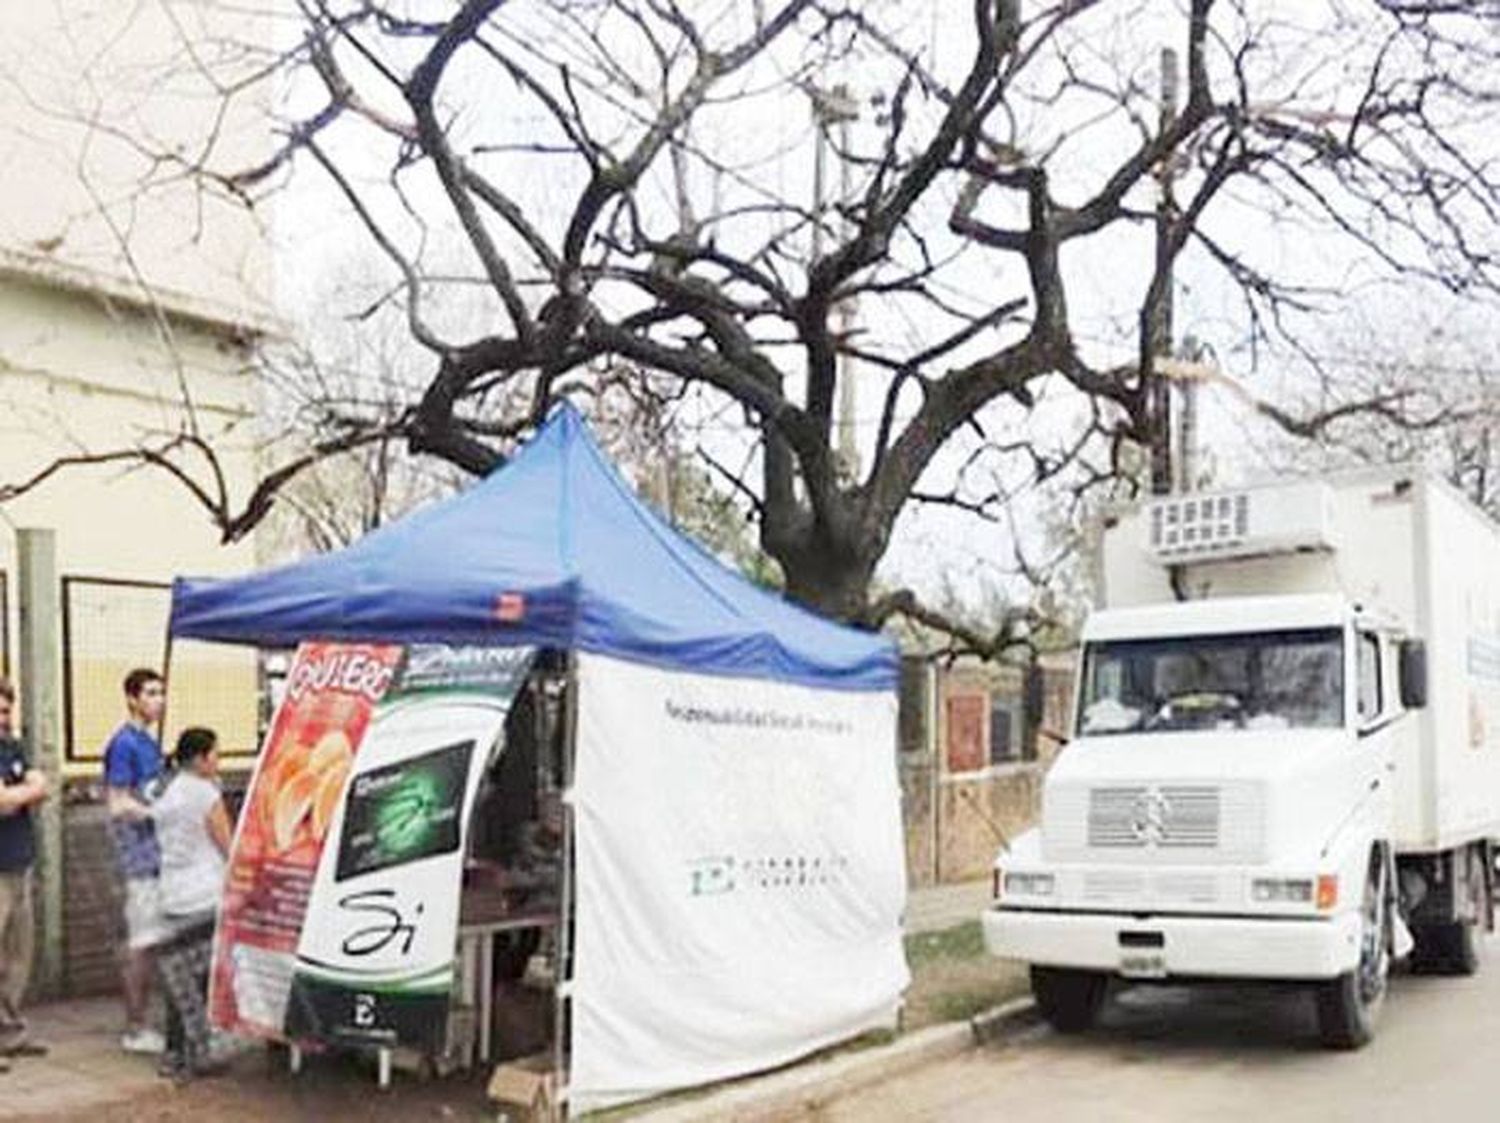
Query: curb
794 1092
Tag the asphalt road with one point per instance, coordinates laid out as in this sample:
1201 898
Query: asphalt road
1224 1054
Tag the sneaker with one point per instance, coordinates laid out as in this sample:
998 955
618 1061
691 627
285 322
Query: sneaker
142 1041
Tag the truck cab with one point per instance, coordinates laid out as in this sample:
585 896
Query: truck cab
1244 790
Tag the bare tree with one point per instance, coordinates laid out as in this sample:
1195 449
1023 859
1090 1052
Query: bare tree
626 179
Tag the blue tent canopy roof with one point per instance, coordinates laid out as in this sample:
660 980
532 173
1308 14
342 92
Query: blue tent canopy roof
552 549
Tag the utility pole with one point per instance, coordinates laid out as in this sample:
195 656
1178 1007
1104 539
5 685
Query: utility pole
41 730
1187 374
836 106
1159 391
848 450
1187 430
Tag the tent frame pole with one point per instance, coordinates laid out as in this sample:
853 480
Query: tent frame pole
166 694
562 995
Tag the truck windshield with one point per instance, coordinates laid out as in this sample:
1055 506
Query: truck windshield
1261 680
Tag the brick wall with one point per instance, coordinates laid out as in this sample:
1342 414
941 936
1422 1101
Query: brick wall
91 902
956 814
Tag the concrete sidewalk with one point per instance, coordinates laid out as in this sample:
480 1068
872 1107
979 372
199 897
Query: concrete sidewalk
84 1067
935 907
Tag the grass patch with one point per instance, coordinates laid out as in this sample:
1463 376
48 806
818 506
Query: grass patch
953 977
962 941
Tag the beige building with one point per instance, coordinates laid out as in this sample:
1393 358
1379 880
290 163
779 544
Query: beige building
131 302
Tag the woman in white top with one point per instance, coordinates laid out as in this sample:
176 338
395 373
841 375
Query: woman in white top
193 831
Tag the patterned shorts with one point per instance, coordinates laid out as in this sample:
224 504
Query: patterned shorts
182 965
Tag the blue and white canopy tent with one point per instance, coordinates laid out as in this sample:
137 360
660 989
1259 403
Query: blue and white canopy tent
738 871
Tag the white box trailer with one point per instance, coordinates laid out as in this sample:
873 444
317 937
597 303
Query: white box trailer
1286 753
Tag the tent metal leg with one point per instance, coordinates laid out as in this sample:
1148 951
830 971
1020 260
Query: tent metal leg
563 976
486 993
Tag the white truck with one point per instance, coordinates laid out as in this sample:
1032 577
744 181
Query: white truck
1285 760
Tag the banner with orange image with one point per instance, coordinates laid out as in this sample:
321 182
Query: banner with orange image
299 780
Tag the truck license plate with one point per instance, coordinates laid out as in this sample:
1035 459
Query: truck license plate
1143 965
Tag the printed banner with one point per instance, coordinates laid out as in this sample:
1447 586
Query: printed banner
375 963
341 911
740 876
296 787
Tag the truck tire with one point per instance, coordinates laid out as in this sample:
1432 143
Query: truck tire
1068 999
1349 1006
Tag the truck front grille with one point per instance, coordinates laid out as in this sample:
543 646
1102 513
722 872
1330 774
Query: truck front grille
1112 817
1175 816
1155 822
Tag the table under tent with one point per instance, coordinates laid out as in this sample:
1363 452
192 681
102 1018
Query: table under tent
733 866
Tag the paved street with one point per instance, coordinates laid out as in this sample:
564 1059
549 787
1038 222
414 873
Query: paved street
1224 1054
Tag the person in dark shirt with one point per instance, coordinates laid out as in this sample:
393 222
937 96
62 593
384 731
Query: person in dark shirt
133 768
21 788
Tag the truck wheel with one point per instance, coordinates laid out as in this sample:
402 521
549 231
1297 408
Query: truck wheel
1349 1005
1068 999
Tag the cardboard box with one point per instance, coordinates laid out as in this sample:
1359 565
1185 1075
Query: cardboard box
525 1089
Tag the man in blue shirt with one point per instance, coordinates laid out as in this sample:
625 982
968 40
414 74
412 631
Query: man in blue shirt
21 788
132 768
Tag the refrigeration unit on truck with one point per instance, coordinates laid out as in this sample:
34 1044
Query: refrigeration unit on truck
1285 759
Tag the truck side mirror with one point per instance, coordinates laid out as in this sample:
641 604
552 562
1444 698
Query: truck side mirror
1413 674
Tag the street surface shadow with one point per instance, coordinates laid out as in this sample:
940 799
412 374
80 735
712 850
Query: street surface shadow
1256 1019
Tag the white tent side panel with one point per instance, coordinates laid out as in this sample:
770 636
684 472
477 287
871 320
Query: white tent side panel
740 876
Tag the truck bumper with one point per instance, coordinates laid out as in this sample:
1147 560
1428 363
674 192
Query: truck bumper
1181 946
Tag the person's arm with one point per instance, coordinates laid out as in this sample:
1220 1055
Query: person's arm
17 797
123 803
14 798
219 827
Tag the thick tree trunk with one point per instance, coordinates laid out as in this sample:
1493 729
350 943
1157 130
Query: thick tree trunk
832 583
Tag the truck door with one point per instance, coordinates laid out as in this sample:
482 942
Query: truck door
1376 708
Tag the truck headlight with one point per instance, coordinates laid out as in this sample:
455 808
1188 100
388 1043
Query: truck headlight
1029 884
1282 890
